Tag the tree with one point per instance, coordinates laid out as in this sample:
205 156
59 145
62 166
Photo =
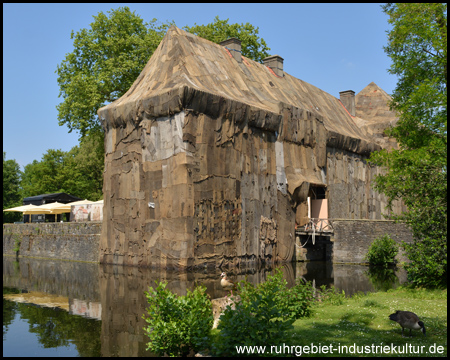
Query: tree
88 161
253 46
11 189
106 60
108 57
46 176
78 172
416 172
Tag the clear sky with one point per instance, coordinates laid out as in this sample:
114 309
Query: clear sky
335 47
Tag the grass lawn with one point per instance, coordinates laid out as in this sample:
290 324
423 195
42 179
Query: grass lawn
362 320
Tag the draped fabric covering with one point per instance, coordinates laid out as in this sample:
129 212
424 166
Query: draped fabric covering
209 160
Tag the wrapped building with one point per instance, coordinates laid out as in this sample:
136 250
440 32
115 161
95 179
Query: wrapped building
213 159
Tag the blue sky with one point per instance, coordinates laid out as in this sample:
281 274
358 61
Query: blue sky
335 47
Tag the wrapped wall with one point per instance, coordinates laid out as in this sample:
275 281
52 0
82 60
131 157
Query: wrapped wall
212 188
350 190
193 180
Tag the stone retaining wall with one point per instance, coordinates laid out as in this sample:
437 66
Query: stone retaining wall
80 241
66 241
352 238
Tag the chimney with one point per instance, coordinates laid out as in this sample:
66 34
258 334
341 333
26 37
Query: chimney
348 100
275 62
234 46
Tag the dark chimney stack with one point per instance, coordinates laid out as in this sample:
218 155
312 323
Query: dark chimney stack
234 46
348 100
275 62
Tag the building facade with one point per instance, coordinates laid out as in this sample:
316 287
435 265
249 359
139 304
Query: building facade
213 159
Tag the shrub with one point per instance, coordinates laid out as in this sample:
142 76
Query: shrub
178 325
263 315
428 262
293 303
258 321
382 252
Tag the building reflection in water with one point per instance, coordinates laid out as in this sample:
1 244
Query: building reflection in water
116 294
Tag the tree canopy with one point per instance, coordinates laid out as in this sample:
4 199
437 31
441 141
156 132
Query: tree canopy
11 189
77 172
253 46
109 56
106 60
416 172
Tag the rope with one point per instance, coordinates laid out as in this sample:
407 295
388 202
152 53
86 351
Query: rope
302 246
314 233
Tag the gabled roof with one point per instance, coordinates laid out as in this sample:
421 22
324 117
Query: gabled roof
373 114
185 60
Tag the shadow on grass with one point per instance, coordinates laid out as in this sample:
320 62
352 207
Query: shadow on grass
357 330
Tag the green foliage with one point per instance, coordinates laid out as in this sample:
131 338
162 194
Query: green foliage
11 189
417 171
428 266
293 302
382 251
17 241
46 176
253 46
331 295
263 315
417 46
178 325
88 162
106 60
78 172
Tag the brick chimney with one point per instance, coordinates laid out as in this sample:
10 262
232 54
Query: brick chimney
234 46
275 62
348 100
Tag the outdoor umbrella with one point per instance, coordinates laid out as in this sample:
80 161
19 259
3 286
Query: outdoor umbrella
29 209
56 208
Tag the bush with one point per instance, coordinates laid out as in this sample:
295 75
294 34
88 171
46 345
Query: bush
428 262
263 315
178 325
382 252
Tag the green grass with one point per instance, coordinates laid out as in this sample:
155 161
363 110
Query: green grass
362 320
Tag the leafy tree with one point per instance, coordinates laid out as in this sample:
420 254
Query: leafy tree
78 172
253 46
417 171
106 60
46 176
88 162
11 189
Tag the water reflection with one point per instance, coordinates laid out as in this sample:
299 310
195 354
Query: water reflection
115 294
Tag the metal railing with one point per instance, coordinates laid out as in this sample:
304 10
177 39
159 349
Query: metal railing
318 225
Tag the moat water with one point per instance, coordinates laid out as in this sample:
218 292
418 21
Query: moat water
64 308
